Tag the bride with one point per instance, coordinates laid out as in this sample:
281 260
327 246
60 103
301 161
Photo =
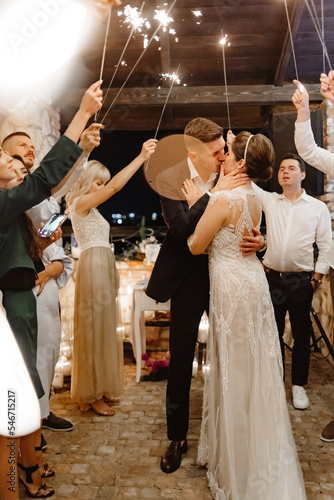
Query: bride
246 438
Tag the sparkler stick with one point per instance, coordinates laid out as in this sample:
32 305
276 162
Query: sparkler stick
291 39
120 59
321 29
136 64
104 50
223 42
323 36
318 30
173 78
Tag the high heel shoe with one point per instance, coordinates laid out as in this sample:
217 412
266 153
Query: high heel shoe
46 470
102 408
43 491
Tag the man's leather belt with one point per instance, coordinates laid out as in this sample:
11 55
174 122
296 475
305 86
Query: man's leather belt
295 273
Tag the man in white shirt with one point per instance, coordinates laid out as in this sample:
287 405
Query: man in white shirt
295 221
322 160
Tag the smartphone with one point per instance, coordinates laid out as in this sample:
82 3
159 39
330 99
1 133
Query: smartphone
55 221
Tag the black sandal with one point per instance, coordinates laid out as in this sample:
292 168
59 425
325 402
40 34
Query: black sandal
47 471
43 491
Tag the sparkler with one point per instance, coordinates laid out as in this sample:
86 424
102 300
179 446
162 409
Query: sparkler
163 18
291 39
171 76
318 30
104 50
134 18
174 78
323 35
223 43
136 64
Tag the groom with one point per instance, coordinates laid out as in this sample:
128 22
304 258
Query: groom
184 278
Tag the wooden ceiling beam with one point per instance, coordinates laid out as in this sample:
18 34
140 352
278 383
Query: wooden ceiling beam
295 19
210 95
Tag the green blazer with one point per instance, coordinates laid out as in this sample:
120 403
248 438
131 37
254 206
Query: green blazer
34 189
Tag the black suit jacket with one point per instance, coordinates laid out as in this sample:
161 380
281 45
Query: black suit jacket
174 259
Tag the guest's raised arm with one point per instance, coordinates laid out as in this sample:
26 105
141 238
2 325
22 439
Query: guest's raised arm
304 139
90 104
94 199
327 85
301 101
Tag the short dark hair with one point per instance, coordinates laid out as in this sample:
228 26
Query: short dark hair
14 134
203 129
293 156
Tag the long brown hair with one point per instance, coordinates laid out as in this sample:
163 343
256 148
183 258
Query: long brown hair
35 249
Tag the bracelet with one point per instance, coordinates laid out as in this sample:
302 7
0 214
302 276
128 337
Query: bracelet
317 282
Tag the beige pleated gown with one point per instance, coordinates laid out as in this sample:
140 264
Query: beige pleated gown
98 344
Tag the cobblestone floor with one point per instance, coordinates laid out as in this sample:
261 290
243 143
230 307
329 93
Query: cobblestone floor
118 457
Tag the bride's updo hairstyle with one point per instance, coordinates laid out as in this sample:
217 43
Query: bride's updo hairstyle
94 170
258 153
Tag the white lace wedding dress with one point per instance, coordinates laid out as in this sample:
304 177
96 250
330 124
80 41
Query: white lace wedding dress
246 438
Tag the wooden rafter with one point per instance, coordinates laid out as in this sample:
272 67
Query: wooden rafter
182 96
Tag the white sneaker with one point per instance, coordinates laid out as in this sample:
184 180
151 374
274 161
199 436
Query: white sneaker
299 397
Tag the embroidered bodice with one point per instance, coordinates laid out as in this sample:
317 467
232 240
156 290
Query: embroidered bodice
91 228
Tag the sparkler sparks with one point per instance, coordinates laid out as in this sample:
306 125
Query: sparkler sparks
163 18
223 41
171 76
133 17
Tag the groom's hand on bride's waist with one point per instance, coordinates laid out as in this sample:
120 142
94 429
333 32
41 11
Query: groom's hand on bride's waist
252 244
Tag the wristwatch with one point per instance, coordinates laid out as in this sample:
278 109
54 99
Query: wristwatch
317 282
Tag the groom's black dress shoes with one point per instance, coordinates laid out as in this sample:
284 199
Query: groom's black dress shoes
171 460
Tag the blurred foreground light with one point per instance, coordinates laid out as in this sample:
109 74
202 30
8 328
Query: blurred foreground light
37 38
19 407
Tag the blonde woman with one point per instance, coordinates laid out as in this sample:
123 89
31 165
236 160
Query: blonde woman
97 374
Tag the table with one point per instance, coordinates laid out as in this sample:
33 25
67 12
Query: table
141 303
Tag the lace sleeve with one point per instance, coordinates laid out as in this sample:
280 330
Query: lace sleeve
230 197
215 196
